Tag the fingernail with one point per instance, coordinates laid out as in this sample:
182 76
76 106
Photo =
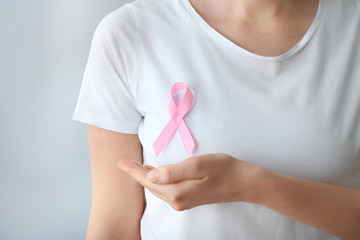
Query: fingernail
153 176
119 165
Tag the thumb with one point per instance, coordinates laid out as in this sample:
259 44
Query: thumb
173 173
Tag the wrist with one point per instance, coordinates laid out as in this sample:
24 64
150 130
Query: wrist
259 184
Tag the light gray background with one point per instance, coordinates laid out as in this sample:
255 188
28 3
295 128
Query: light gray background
45 178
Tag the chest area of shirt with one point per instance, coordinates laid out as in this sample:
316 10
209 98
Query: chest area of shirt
295 123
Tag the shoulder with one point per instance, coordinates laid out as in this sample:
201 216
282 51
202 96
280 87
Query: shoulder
128 17
121 20
349 8
342 18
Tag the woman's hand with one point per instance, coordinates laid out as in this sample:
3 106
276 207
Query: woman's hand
216 178
198 180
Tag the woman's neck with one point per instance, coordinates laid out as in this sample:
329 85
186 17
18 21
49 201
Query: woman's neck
264 27
251 10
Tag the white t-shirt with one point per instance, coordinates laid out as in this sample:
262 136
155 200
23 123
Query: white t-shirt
296 114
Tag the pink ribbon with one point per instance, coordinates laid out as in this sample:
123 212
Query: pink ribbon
177 122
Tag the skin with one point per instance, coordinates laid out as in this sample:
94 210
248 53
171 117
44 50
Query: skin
267 28
117 200
263 27
217 178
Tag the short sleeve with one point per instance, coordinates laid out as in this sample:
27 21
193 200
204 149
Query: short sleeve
105 99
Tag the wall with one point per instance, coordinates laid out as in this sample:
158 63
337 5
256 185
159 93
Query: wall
45 179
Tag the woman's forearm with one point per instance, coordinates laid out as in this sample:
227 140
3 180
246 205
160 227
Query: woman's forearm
217 178
331 208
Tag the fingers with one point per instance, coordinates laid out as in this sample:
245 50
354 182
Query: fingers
139 173
186 170
179 194
134 169
189 169
149 167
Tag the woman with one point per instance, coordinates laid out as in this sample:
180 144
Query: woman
274 117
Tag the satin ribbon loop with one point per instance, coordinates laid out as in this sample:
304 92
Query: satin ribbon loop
177 122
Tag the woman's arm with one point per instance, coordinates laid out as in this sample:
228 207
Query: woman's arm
331 208
215 178
117 200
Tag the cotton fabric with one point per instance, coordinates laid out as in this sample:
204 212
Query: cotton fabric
296 114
